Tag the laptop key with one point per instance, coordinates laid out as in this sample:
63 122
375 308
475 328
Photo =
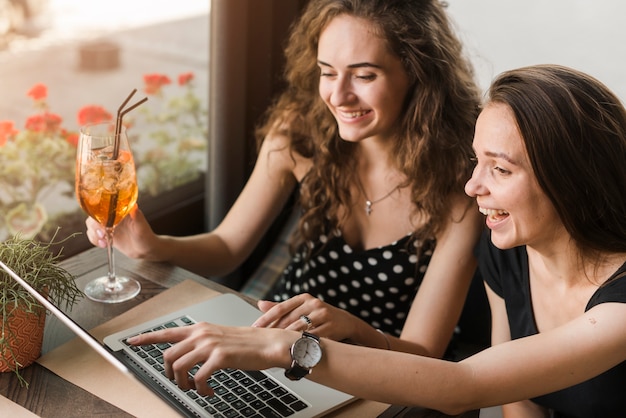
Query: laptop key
248 397
238 374
230 383
155 353
238 404
239 390
163 346
221 406
256 375
298 405
247 412
269 384
229 397
221 376
220 390
283 409
265 395
279 391
268 412
231 413
257 404
255 388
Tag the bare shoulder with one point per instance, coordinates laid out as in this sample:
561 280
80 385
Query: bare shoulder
276 150
606 319
464 216
462 207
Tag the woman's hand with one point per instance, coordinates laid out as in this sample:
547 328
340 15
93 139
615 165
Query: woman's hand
306 313
133 236
215 347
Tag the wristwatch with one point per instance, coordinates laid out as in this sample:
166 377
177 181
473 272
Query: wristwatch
306 352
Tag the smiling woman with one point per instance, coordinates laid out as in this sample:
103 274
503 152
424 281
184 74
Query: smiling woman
371 125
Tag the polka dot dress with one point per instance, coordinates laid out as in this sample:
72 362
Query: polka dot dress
377 285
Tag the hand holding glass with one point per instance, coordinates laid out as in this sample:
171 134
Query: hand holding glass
106 188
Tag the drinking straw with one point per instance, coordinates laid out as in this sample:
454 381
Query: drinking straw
118 121
116 147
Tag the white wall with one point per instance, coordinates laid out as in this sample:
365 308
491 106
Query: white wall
588 35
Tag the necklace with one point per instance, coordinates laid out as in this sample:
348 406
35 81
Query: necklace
369 203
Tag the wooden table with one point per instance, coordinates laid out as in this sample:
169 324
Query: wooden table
51 396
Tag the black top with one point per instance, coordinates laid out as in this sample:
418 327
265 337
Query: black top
377 285
506 273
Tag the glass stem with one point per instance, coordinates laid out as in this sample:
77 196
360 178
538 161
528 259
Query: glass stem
112 283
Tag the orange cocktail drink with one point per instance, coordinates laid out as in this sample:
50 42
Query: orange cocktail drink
107 189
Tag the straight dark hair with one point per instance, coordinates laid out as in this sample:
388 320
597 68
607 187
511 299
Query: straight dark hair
574 130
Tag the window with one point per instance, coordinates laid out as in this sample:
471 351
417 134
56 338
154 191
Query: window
78 60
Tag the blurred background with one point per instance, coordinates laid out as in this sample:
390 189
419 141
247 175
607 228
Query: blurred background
189 179
504 34
88 56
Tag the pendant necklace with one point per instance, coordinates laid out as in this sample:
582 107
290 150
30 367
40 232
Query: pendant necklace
369 203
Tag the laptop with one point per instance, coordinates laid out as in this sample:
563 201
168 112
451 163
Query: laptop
239 393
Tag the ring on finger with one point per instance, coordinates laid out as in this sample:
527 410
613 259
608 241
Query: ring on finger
307 321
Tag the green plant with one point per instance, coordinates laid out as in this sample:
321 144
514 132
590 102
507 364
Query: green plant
36 162
36 263
178 127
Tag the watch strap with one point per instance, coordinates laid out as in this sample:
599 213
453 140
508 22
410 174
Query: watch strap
309 335
296 372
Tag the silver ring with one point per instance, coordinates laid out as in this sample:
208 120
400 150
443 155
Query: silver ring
307 321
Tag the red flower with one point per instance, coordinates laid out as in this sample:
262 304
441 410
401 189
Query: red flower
154 82
7 130
72 138
184 78
38 92
46 122
93 114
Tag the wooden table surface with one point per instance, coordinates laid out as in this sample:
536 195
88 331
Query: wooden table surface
49 395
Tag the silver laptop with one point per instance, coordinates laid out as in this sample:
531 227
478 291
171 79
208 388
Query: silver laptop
239 393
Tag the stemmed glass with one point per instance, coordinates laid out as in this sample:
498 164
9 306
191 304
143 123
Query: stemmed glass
106 189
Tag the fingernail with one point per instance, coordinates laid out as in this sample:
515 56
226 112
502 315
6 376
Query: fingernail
100 233
132 340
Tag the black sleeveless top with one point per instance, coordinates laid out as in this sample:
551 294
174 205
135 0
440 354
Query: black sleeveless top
506 273
377 285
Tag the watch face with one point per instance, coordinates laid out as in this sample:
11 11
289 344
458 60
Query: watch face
307 352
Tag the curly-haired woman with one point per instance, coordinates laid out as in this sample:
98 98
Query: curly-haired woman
374 129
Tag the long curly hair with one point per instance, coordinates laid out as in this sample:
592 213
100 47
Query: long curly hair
434 135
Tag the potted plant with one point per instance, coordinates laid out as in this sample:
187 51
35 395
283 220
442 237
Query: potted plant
22 318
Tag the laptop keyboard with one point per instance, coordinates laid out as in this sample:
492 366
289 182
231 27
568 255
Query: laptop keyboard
238 393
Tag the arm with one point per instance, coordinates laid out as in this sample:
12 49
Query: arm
437 307
500 333
223 249
434 312
511 371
